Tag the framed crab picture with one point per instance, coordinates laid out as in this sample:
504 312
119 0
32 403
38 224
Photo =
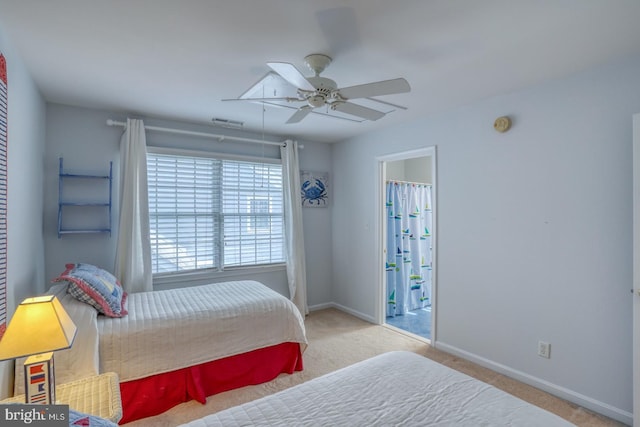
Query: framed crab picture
314 189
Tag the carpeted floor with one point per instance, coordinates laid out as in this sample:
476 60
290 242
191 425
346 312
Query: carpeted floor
336 340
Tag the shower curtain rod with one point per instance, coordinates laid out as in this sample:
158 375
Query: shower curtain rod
409 182
220 138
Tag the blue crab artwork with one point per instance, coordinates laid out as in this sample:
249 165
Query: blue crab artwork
313 193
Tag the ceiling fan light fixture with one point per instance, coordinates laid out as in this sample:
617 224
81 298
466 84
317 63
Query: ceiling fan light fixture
317 62
316 101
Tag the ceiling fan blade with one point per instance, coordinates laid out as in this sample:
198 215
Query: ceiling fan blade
385 87
317 112
357 110
286 98
291 74
387 103
300 114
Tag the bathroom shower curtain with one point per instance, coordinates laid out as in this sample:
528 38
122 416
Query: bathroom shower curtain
408 259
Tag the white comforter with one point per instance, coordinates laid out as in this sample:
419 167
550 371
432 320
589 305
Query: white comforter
396 388
177 328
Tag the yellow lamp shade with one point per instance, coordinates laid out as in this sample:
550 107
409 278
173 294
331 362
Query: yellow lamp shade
39 325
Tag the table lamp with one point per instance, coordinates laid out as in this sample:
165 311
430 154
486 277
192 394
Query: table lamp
39 327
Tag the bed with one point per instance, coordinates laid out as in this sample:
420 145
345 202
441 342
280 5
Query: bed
396 388
182 344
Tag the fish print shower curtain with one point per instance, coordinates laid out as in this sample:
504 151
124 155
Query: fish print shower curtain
408 263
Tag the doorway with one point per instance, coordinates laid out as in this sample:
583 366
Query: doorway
412 309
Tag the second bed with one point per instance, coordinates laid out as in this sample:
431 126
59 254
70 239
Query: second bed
393 389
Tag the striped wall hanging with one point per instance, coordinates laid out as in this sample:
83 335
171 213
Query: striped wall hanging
3 195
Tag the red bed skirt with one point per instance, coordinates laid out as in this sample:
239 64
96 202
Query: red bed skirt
153 395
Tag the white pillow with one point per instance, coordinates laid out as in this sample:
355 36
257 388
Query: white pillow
83 358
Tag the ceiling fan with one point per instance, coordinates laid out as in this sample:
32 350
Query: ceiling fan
316 91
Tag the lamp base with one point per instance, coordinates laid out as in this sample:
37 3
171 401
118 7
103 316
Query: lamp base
40 383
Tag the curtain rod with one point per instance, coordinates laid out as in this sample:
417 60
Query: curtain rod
220 138
409 182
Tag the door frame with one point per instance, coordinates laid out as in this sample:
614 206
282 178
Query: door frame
636 270
381 230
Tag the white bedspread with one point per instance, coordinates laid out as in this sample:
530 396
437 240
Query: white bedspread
177 328
396 388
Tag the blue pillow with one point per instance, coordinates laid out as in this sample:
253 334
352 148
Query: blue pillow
95 286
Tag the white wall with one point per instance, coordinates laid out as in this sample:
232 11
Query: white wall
534 231
395 170
413 170
87 144
25 254
316 157
418 169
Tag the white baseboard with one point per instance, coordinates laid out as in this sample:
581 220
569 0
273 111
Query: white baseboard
354 313
320 306
559 391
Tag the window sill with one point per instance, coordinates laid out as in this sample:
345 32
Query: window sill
173 280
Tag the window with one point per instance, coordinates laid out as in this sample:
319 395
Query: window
260 208
210 213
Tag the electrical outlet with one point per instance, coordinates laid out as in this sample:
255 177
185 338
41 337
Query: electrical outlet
544 349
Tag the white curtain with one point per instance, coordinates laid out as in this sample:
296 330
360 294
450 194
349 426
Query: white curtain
133 251
408 263
294 239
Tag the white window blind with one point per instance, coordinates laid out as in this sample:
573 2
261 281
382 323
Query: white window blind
208 213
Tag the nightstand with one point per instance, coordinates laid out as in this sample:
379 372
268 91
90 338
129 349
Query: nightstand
98 395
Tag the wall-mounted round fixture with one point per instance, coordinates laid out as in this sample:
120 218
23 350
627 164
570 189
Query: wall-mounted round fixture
502 124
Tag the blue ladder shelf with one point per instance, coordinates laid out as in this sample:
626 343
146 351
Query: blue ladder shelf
62 203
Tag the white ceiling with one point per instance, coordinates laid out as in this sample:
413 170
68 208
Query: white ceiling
178 59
